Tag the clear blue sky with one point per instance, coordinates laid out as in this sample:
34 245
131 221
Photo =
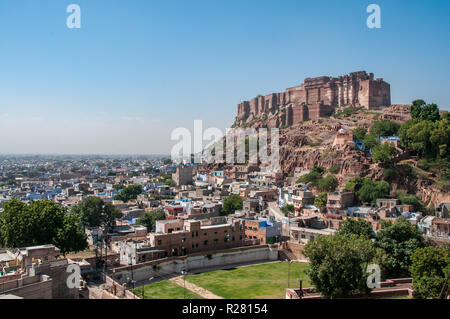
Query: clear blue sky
139 68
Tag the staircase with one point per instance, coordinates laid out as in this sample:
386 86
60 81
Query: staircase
284 254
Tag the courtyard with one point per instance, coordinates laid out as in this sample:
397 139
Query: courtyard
262 281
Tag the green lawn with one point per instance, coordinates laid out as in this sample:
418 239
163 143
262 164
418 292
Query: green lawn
264 281
164 290
397 297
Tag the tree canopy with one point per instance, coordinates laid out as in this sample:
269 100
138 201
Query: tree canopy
148 219
321 200
231 204
129 193
94 212
426 133
287 209
359 133
429 268
384 153
399 240
423 111
40 223
359 227
384 128
314 175
338 264
329 183
367 190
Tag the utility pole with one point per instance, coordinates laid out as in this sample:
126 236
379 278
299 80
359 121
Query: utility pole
289 271
301 288
183 272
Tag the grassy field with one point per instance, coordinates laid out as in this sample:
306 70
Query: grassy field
164 290
265 281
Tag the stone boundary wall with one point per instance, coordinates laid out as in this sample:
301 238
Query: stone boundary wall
376 293
36 287
113 258
198 261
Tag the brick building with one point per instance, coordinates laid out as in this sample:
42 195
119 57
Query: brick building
183 175
259 230
196 237
338 201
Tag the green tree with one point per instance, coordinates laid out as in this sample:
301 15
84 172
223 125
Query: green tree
359 133
148 219
384 153
409 199
90 211
129 193
338 264
321 200
118 187
329 183
384 128
429 268
110 214
314 175
359 227
40 223
440 138
94 212
231 204
71 237
354 184
370 141
399 240
287 209
370 190
422 111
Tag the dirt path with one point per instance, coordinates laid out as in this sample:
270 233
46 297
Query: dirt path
194 288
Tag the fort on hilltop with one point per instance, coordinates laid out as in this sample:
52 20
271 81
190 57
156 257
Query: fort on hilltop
316 97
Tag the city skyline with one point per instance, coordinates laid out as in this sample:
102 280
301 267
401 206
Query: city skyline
134 72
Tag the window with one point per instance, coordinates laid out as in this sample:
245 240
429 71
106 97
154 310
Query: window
159 242
216 240
205 242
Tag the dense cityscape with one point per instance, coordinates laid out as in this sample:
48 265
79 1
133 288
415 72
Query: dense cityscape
224 158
